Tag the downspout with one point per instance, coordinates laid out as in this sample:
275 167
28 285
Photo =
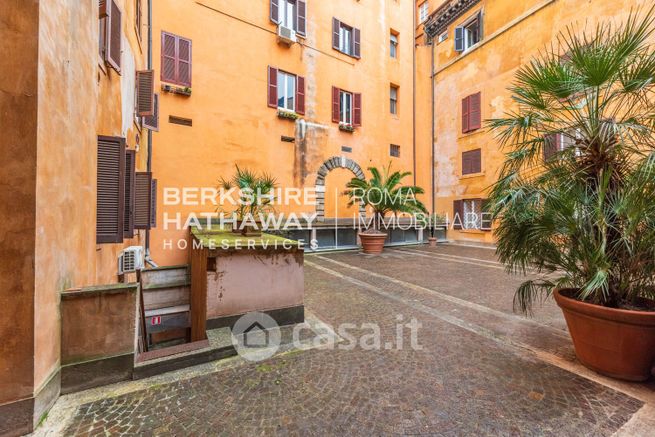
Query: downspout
149 158
414 97
432 79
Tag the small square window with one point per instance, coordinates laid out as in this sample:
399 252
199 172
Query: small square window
394 150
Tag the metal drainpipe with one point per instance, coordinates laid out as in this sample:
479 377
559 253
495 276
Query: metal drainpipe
149 158
414 97
432 79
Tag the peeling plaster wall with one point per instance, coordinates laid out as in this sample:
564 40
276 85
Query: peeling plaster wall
516 31
233 43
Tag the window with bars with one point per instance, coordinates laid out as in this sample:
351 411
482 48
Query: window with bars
394 150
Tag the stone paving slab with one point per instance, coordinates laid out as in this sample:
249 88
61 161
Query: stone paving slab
460 382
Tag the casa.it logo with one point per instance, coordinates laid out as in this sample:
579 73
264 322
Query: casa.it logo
256 336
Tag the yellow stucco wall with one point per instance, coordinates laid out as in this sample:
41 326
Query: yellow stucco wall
513 33
233 43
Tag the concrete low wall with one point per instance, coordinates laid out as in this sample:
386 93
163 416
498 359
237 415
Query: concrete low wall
255 280
98 335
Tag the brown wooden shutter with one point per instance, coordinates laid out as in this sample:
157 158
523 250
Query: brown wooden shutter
472 162
152 121
552 144
486 220
142 203
102 8
300 95
272 87
153 204
336 25
275 11
145 92
465 114
357 109
168 57
110 196
114 40
128 222
458 214
301 19
475 112
357 43
466 163
336 103
183 61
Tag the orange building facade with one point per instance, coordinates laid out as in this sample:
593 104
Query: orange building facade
334 66
477 46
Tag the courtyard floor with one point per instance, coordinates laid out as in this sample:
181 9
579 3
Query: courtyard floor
478 369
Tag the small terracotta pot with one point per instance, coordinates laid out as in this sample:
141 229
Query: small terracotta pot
613 342
432 241
373 244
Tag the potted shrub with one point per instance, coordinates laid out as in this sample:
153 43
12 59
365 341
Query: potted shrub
255 199
576 196
437 221
384 194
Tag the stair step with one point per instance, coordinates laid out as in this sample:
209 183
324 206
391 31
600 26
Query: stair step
164 285
167 310
217 346
160 305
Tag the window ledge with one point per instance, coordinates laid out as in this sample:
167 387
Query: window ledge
346 128
470 133
472 175
473 231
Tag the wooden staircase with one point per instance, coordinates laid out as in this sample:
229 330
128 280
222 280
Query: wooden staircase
166 304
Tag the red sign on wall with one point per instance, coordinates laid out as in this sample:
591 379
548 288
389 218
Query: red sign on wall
156 320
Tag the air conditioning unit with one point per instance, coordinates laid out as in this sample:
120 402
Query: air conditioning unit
130 260
285 35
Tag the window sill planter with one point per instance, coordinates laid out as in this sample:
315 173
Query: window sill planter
346 127
186 91
289 115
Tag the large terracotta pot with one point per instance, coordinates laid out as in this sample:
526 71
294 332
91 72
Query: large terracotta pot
614 342
373 244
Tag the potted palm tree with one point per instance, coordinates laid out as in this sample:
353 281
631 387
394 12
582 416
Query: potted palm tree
256 199
576 195
385 194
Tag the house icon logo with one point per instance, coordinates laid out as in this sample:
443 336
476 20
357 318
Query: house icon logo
256 336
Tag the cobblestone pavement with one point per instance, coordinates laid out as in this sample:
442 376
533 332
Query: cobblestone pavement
480 369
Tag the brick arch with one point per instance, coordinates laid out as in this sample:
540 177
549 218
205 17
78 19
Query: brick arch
327 167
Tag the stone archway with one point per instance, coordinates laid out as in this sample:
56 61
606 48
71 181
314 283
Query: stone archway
324 169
